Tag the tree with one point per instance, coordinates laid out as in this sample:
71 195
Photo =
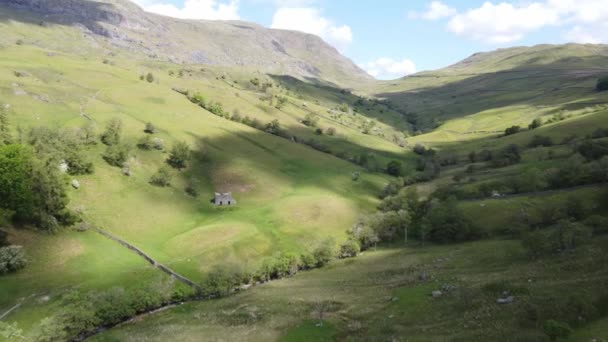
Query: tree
162 177
16 170
445 222
349 249
555 329
180 155
330 131
11 332
150 77
50 197
273 127
507 156
540 140
5 134
394 168
3 236
12 259
32 187
112 133
535 124
117 154
512 130
145 143
310 120
387 225
150 128
602 84
324 252
281 101
88 134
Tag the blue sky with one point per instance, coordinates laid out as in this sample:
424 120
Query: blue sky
392 38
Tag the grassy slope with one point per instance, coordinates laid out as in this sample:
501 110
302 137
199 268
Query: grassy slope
379 296
290 196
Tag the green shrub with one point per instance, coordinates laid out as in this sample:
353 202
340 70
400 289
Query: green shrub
12 259
507 156
274 127
112 133
540 140
512 130
394 168
117 154
562 237
536 123
324 253
599 224
445 223
221 280
3 233
311 120
180 155
150 128
602 84
593 149
307 261
349 249
555 329
145 143
150 77
78 164
113 306
162 177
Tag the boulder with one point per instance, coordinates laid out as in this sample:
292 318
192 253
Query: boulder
75 184
506 300
21 73
437 294
63 166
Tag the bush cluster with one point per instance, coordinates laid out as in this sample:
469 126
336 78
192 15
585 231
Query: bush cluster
12 259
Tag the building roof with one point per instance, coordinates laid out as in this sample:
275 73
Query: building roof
223 197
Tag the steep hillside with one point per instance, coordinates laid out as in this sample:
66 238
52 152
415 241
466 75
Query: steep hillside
522 81
111 24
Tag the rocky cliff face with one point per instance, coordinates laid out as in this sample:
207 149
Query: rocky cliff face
227 43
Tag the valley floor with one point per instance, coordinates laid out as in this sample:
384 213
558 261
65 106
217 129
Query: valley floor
386 295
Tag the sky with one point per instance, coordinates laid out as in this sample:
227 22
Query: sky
394 38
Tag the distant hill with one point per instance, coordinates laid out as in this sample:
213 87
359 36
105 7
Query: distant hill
122 24
522 76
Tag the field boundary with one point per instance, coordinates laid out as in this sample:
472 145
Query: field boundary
149 259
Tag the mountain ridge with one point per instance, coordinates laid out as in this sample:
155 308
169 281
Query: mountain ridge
124 25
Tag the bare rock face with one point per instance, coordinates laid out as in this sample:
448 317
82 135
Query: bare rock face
226 43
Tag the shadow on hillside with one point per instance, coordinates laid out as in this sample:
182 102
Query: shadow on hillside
534 85
272 154
327 92
87 13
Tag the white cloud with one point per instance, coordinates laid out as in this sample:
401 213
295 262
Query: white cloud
502 23
387 68
194 9
582 21
435 11
310 20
